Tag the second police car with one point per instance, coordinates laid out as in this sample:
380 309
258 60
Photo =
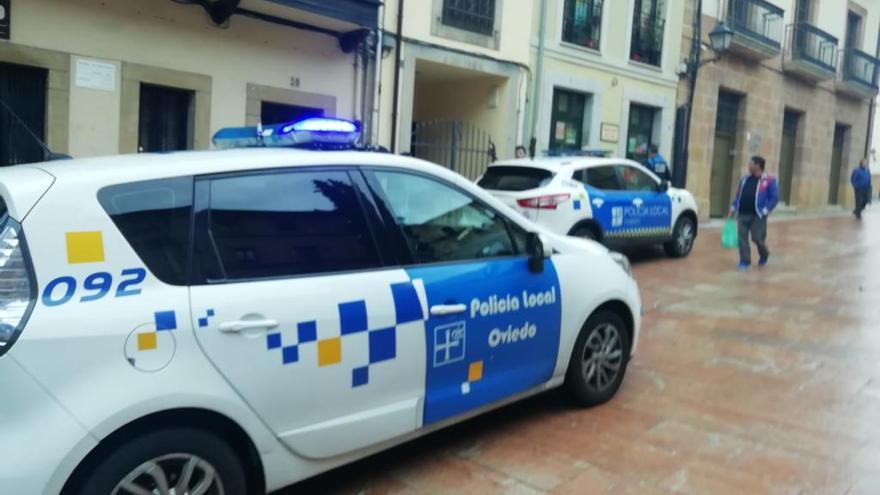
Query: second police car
614 201
235 321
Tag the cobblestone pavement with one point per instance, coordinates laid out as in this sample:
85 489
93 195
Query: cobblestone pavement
766 381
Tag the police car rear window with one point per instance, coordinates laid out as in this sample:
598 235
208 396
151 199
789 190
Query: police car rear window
503 178
154 217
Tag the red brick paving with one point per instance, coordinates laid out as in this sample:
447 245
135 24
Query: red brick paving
760 382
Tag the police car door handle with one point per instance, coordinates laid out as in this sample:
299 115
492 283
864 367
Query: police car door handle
448 309
242 325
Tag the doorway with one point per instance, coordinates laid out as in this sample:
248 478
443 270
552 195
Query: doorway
24 90
790 123
165 119
837 151
641 133
567 120
272 113
726 118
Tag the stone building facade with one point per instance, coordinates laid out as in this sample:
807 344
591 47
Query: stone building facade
809 120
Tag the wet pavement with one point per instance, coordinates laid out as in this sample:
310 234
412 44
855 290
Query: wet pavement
760 382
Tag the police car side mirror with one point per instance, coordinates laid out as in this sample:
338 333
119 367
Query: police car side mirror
535 250
664 185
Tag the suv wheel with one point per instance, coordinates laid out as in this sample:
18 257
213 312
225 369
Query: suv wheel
172 461
683 236
599 360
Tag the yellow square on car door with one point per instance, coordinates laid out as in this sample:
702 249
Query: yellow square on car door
85 247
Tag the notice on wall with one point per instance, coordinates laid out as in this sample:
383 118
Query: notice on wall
5 16
93 74
610 133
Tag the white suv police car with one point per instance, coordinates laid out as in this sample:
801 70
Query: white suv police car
617 202
232 322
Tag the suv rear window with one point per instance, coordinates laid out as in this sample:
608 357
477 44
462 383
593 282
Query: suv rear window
503 178
154 217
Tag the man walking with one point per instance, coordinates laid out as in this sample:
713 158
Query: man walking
756 197
657 164
861 182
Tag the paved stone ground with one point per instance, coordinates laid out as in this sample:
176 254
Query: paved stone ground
745 383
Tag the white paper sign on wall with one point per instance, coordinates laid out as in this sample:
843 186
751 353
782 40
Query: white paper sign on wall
93 74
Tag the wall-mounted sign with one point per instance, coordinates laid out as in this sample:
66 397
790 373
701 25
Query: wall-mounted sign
93 74
610 133
5 12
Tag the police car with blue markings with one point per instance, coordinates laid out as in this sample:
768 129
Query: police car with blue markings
614 201
232 322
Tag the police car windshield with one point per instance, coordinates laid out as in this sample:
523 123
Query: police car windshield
503 178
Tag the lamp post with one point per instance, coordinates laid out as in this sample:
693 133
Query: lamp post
720 40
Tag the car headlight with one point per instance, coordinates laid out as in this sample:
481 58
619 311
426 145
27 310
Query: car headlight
622 261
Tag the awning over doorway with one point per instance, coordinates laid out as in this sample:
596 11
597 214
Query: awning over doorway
361 12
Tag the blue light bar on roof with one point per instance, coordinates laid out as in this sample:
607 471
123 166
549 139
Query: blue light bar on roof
314 132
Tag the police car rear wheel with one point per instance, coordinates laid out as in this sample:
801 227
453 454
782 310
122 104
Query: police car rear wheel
683 236
166 462
599 360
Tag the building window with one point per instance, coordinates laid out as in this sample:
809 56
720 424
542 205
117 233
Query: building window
476 16
582 23
641 136
647 34
166 119
24 89
853 30
567 120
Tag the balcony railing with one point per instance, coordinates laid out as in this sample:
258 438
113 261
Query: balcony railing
757 19
860 68
582 23
647 40
811 44
476 16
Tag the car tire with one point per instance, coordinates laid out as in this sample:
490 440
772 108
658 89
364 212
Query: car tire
598 361
585 232
683 236
169 454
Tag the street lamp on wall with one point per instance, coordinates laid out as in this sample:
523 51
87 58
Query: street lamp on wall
720 38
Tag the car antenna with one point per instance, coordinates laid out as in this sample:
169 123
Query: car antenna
48 154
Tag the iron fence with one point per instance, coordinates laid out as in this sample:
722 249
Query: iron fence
811 44
459 146
757 19
647 40
860 67
582 23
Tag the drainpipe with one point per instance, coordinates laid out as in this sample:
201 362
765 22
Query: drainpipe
539 76
693 70
377 77
395 113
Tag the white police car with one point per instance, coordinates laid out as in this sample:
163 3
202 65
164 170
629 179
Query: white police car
231 322
615 201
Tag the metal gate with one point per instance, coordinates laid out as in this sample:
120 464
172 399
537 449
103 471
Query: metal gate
24 90
460 146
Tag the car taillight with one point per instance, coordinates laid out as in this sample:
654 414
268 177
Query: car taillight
544 202
17 290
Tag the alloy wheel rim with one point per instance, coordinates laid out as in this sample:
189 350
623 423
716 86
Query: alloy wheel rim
685 237
173 474
603 357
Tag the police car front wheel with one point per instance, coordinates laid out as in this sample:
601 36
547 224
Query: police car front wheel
171 461
599 360
683 235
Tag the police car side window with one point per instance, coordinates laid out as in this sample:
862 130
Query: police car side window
635 180
154 217
604 178
442 224
289 223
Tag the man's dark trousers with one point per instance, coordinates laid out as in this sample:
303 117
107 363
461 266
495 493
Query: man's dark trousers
757 227
862 196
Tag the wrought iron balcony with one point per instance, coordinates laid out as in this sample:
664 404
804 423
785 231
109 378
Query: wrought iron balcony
757 27
647 40
858 74
582 23
476 16
810 52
